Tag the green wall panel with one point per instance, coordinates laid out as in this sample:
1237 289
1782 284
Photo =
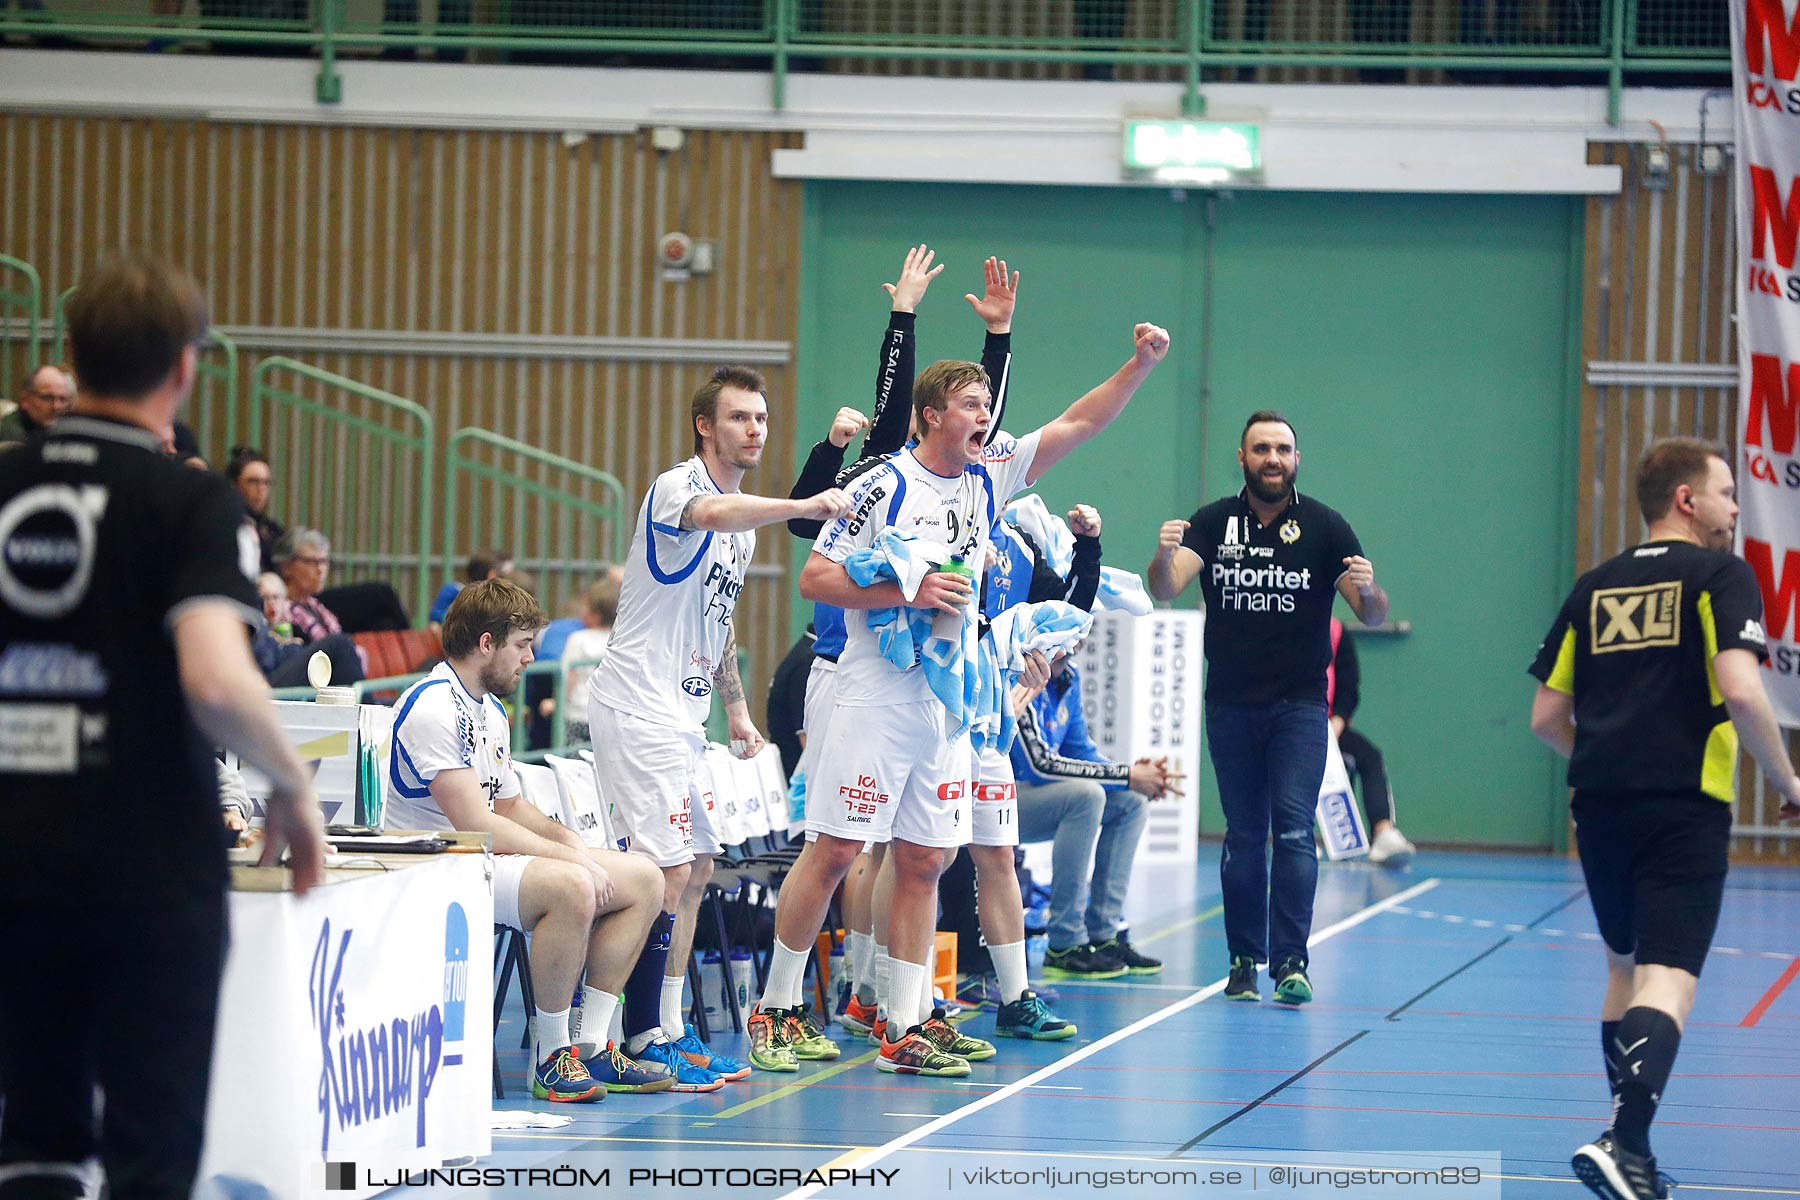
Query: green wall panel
1420 343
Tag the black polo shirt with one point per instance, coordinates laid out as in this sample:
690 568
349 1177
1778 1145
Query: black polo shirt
103 544
1269 591
1634 645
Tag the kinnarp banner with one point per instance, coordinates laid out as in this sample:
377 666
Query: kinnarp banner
1765 61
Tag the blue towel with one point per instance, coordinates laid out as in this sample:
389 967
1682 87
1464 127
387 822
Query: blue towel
1122 591
899 632
1048 530
904 635
1050 627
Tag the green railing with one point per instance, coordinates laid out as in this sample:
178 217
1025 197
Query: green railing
1190 40
212 410
354 462
559 517
21 309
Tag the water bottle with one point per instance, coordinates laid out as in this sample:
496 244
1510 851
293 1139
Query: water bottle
741 978
948 625
712 983
837 975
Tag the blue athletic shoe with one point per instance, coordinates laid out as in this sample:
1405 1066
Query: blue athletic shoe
688 1077
616 1073
562 1079
706 1058
1028 1017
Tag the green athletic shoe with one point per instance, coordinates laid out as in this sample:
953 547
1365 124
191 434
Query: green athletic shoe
803 1037
1291 984
946 1037
769 1050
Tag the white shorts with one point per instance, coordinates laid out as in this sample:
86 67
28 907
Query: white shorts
509 873
656 780
889 772
996 815
815 718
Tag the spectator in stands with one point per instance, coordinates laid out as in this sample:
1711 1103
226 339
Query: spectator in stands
580 639
249 472
44 395
1093 808
303 556
599 608
282 656
1362 758
273 594
483 564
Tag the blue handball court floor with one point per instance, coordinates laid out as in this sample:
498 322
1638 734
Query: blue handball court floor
1453 1049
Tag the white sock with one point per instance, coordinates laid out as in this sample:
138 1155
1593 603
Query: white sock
1009 965
634 1045
673 1023
882 982
552 1032
597 1009
859 958
906 981
787 967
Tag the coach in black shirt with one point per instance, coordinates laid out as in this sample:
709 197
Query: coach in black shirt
1648 677
1270 564
125 608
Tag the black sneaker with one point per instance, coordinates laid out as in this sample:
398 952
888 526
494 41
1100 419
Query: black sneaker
1619 1174
1081 962
1242 984
1138 964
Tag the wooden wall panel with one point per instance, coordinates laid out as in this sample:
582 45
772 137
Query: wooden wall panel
309 228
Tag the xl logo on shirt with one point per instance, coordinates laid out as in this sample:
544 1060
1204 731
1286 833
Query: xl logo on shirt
1635 618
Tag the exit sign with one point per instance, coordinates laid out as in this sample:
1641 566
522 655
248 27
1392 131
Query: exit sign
1183 146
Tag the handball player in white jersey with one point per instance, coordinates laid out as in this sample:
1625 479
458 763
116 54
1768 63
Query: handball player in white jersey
889 768
585 909
672 645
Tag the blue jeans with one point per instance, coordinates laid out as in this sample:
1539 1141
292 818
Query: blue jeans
1270 760
1096 835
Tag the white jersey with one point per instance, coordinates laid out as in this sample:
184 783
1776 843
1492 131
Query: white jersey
675 608
952 516
439 726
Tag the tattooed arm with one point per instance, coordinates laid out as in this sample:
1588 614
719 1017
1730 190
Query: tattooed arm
729 686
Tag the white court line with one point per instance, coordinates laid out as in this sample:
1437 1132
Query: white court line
869 1158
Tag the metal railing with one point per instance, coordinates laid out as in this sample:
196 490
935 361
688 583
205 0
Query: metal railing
21 305
547 509
355 462
1190 40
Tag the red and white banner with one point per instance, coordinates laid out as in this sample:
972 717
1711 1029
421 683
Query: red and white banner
1765 47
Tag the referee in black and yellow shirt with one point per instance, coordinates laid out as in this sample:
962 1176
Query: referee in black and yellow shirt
1647 680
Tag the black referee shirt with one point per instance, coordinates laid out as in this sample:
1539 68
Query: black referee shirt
1268 591
1634 645
103 543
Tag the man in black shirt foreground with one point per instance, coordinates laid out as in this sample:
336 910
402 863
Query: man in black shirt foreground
1646 682
1270 565
125 597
